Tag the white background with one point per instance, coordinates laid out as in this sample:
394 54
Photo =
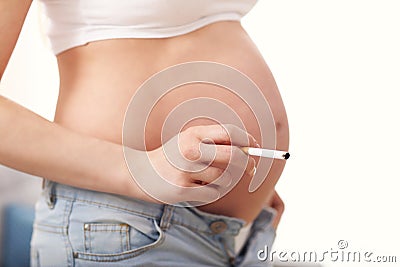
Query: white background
337 64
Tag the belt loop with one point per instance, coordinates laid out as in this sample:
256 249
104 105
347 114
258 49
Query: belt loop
48 191
166 217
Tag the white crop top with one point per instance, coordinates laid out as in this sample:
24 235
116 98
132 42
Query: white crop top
77 22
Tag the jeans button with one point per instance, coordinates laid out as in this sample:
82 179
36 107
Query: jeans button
218 227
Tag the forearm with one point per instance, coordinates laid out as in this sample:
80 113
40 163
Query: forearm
31 144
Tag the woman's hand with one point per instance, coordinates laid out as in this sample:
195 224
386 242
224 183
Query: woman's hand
199 165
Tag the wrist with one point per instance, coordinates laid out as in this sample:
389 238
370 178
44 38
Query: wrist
127 184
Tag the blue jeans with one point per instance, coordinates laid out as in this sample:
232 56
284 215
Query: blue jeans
77 227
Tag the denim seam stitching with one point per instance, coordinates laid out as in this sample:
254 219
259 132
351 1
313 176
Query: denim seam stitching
105 205
49 225
47 231
86 239
127 238
121 239
166 217
68 245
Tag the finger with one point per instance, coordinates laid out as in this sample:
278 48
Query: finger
226 134
170 193
220 156
231 159
216 155
239 137
207 176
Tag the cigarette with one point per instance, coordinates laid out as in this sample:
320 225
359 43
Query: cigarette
266 153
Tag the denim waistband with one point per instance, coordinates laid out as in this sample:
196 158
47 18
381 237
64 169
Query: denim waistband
190 217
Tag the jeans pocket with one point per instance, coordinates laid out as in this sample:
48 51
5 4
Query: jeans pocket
111 242
115 235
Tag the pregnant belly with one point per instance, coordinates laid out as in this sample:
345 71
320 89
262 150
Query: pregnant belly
99 79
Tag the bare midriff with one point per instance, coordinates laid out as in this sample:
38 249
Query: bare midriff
97 81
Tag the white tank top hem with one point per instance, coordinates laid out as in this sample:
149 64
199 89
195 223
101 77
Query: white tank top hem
74 23
85 35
